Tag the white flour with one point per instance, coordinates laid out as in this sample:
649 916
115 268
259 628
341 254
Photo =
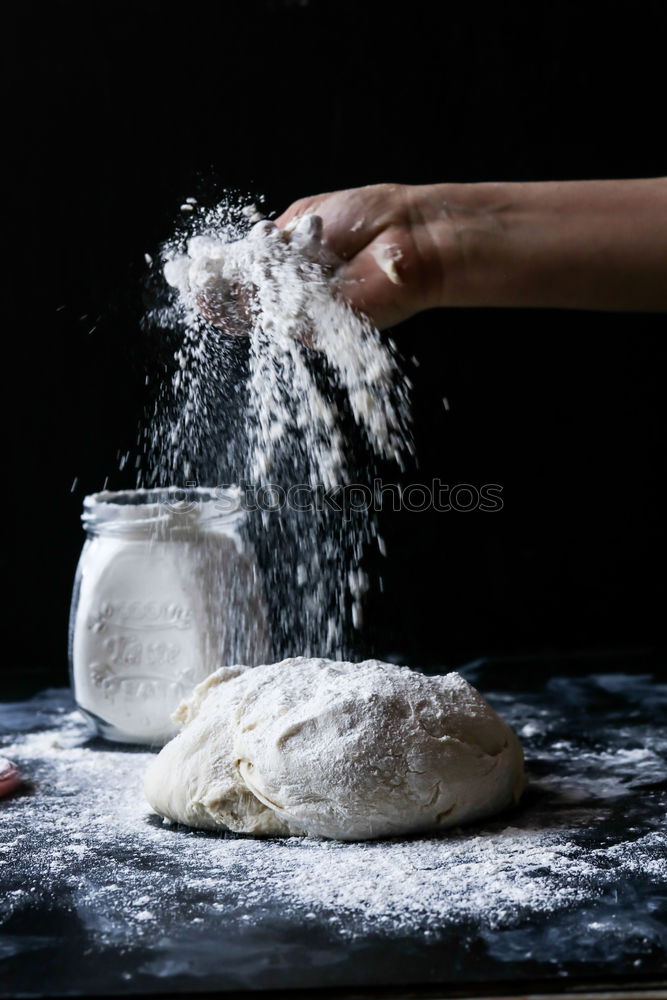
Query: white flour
311 397
274 286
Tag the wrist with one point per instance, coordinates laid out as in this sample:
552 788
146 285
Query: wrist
470 228
553 244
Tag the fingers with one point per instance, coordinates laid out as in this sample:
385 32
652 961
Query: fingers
368 289
383 279
306 234
303 206
230 312
352 218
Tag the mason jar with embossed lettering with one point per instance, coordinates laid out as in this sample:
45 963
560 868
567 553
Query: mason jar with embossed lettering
166 591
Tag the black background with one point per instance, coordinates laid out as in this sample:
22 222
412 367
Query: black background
114 113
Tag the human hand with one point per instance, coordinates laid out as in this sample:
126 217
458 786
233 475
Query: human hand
390 245
390 250
393 250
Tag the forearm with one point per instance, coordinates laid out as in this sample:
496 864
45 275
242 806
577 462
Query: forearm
562 244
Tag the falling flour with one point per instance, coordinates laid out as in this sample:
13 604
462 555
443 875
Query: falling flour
299 411
275 285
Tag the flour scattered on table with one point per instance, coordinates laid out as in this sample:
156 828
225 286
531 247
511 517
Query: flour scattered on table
86 836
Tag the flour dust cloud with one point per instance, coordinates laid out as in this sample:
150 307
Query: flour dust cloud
281 387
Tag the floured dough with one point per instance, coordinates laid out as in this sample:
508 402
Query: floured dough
343 750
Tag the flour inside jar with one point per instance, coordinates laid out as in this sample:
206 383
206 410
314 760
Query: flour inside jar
166 589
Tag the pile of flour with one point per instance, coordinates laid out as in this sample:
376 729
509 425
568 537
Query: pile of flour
310 396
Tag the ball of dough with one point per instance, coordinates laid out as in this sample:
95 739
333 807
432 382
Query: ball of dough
332 749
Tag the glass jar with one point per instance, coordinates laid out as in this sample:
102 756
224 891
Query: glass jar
166 591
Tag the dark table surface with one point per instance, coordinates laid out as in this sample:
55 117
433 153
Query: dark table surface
98 896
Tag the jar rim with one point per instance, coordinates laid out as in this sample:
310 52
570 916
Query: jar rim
161 505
